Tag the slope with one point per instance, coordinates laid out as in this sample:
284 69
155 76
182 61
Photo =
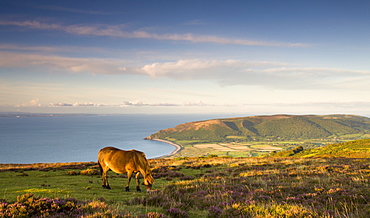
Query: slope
351 149
276 126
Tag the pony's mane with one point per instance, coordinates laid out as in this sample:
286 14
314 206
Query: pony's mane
138 152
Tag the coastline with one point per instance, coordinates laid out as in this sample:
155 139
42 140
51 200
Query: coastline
178 147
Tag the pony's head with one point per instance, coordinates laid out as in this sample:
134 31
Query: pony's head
148 181
145 170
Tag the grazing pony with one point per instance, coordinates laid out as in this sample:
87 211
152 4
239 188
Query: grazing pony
120 161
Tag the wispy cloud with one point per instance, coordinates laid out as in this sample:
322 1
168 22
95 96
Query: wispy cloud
270 74
119 31
195 22
357 107
72 10
65 64
277 75
126 104
50 49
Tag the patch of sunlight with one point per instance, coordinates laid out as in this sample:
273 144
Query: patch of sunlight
42 190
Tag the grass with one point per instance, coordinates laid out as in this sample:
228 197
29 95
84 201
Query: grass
207 187
191 150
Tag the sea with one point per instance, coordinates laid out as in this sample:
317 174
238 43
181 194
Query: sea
78 138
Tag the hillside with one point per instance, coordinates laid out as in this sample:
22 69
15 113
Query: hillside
259 135
352 149
275 126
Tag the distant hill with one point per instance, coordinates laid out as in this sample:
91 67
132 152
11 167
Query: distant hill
274 127
351 149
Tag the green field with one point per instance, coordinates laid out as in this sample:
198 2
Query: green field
195 187
190 148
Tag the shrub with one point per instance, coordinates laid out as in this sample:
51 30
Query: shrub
89 172
72 173
177 213
214 212
186 178
154 215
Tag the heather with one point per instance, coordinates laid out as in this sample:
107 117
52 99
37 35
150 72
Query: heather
195 187
271 188
28 205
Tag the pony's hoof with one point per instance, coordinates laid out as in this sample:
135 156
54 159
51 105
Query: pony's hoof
127 189
106 187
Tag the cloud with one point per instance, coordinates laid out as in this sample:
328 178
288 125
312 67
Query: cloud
60 105
195 22
276 75
201 69
32 103
268 74
78 104
118 31
140 103
126 104
56 63
325 107
199 103
49 49
72 10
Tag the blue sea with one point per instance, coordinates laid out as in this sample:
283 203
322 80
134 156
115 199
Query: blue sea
52 139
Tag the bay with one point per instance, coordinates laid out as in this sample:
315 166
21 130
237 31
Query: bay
51 139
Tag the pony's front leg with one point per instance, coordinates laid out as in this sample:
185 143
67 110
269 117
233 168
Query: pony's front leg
129 175
137 182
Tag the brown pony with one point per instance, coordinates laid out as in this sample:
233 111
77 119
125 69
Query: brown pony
120 161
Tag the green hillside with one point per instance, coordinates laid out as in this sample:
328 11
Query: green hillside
352 149
277 127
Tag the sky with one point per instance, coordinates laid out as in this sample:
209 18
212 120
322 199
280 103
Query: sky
176 57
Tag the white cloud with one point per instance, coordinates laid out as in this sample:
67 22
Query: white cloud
269 74
32 103
125 104
199 103
118 31
79 104
60 105
202 69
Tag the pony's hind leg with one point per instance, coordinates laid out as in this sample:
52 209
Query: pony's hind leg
105 180
137 182
129 175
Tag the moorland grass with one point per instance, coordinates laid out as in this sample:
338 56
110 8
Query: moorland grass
209 187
